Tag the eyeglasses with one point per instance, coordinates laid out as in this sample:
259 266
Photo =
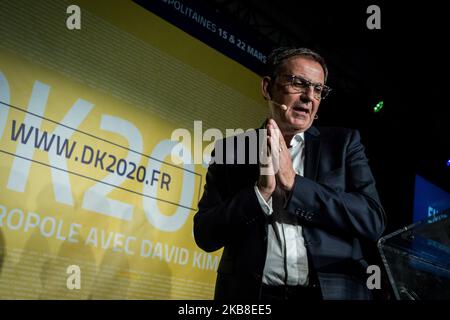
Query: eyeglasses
300 85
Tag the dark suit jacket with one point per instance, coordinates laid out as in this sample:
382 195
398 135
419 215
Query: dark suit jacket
336 203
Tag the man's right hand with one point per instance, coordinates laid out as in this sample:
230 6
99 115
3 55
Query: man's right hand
267 168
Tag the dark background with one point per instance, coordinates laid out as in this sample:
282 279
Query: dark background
402 64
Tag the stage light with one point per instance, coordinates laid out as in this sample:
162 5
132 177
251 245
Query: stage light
378 107
448 163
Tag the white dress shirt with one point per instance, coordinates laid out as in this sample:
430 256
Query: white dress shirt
286 259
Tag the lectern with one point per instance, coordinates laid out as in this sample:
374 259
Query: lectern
417 259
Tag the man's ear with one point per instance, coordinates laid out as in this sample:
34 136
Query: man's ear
265 85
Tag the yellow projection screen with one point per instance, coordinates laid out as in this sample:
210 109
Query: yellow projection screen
86 176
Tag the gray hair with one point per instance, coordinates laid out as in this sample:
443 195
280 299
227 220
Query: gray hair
279 55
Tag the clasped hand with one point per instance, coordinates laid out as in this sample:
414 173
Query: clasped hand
276 167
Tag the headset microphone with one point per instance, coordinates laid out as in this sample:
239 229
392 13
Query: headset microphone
282 106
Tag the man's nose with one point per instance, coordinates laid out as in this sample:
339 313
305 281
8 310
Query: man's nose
307 94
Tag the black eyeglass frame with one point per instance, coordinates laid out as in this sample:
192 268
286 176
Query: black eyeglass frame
301 84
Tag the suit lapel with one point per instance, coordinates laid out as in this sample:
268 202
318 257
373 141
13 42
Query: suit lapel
312 153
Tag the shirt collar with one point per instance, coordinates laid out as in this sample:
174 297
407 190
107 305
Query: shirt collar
299 137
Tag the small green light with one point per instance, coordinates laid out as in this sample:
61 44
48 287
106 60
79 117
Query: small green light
378 107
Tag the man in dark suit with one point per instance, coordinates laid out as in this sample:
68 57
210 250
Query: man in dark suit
293 225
